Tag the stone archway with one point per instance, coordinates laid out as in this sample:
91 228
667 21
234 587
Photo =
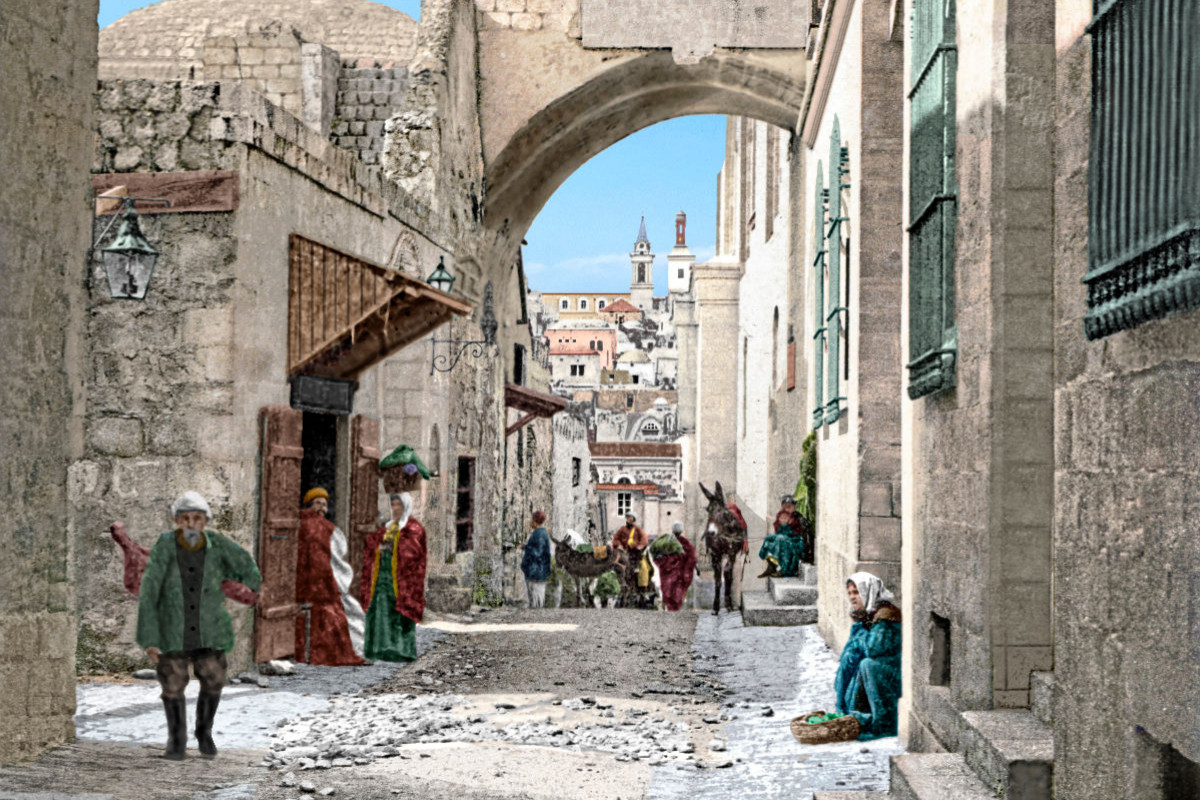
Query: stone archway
605 106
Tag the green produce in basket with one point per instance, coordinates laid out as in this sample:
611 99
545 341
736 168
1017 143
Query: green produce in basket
819 718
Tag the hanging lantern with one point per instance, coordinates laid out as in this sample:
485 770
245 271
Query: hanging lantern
440 278
129 261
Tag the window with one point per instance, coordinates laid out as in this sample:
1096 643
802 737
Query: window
577 370
624 503
601 304
576 469
564 304
681 273
600 345
635 378
519 364
650 429
629 401
464 527
932 334
583 304
1144 204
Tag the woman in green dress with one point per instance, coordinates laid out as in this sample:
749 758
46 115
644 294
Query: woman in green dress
393 584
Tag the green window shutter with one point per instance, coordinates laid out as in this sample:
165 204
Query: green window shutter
819 301
838 168
1144 164
933 209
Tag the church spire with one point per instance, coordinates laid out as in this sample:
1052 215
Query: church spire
642 237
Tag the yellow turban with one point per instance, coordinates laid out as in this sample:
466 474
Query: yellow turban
313 494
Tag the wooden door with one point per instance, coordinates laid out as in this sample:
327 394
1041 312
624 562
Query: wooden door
282 455
364 492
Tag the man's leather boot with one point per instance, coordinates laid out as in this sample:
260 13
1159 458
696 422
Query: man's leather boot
176 709
206 709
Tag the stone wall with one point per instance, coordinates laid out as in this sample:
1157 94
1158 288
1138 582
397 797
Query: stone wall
1127 420
48 72
267 61
531 15
572 501
367 94
643 399
978 499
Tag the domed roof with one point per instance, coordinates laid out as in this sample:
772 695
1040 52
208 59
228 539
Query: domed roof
166 40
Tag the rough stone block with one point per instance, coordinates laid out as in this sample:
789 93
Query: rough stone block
1042 696
523 21
499 19
879 538
935 776
117 436
1022 662
250 56
876 500
511 5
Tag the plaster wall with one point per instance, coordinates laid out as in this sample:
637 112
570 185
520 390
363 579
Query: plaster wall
1125 476
763 329
572 501
48 73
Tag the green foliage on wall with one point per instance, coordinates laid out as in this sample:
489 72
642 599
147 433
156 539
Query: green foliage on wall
806 487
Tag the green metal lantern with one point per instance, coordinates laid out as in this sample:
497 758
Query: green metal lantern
129 261
440 278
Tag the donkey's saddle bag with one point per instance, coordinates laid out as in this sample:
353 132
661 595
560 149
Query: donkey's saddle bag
600 552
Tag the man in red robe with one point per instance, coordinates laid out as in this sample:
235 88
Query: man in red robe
335 621
675 570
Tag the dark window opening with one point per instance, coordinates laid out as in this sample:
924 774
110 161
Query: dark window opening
939 650
319 465
629 401
519 364
576 468
681 273
464 527
1161 772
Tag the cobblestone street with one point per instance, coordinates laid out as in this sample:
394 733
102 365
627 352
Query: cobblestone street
512 704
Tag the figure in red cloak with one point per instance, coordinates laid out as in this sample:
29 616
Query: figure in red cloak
335 619
393 584
675 570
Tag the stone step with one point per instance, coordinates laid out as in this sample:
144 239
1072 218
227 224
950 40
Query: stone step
807 576
760 608
442 579
850 796
792 592
1041 685
448 600
1011 751
935 776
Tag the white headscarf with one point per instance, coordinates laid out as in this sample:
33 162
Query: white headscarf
190 501
677 528
406 502
872 591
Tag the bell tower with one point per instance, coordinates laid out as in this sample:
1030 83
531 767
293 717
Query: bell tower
680 261
641 288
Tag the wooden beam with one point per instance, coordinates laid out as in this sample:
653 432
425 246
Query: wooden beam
521 423
200 191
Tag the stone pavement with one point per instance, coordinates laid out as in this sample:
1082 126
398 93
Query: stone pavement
784 672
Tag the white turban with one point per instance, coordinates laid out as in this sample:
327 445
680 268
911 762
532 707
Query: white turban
871 590
677 527
190 501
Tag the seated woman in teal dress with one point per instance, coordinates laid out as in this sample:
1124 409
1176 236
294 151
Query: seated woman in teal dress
789 545
868 676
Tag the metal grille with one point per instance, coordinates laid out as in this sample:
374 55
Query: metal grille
819 301
1144 169
932 199
839 159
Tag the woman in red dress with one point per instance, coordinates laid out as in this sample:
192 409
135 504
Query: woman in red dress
675 569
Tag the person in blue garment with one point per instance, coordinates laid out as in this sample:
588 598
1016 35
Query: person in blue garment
868 676
535 562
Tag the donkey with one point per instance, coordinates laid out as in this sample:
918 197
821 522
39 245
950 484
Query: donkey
724 538
583 566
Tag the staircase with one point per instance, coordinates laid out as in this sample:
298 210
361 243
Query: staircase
1006 753
787 601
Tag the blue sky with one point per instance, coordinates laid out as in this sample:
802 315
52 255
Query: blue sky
582 239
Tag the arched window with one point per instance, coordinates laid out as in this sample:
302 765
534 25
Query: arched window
601 304
641 273
624 479
583 304
650 429
564 304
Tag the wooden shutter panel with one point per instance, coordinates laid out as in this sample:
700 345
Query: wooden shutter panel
282 454
364 491
791 366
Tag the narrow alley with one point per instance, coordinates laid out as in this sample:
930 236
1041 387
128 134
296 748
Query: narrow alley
564 704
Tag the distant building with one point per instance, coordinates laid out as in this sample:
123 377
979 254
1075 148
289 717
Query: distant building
642 478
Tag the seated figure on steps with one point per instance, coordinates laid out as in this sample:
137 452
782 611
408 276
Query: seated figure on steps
788 546
868 676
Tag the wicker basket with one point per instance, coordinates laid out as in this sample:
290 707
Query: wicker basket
842 729
395 480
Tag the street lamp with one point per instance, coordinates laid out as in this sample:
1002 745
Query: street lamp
129 260
440 278
456 348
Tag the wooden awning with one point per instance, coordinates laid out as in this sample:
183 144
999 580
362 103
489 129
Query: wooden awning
345 315
532 403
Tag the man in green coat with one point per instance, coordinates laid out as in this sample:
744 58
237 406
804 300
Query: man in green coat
182 617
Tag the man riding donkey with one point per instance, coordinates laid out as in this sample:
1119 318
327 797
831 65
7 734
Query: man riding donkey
724 538
634 541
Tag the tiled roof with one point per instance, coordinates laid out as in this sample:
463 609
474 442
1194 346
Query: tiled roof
635 450
621 305
644 488
572 350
